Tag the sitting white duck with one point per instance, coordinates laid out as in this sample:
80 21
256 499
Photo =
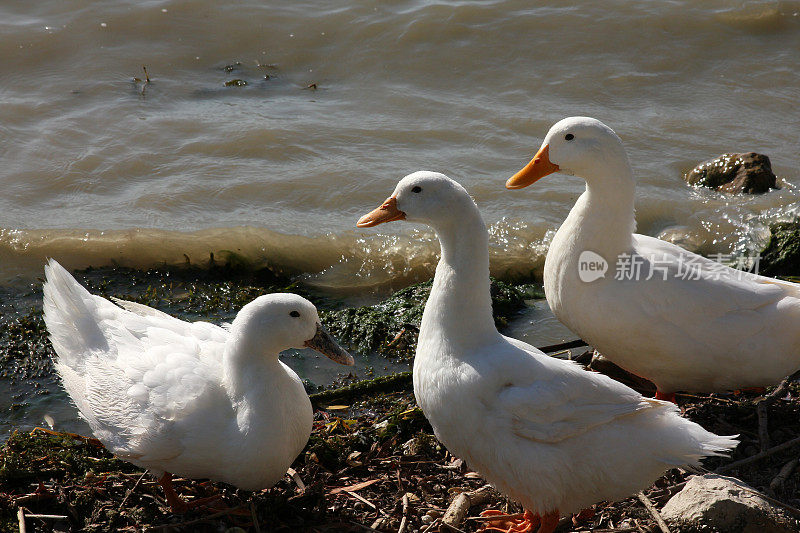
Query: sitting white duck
195 399
674 317
544 431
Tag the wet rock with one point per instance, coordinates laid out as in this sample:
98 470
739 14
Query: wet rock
734 173
781 257
718 503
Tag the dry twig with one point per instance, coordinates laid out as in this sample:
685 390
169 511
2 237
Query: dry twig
404 520
787 469
747 460
431 525
128 494
366 501
21 520
763 404
208 518
457 511
653 512
497 517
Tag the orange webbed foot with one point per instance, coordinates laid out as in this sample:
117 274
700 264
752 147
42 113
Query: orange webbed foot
528 522
584 516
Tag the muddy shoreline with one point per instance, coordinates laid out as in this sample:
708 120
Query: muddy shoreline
372 462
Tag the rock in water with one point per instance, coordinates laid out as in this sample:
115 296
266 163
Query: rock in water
718 503
781 257
747 172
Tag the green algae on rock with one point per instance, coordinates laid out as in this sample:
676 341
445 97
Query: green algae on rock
215 292
398 381
383 327
781 257
25 352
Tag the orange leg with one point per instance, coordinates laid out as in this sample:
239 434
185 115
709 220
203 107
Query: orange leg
529 523
584 516
176 503
549 522
666 396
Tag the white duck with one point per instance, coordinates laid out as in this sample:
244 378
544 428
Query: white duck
542 430
695 324
195 399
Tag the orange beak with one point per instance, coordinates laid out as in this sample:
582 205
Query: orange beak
385 213
539 167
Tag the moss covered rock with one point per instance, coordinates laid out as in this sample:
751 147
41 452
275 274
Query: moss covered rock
391 326
781 257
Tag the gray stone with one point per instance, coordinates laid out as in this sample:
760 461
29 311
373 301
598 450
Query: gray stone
718 503
735 173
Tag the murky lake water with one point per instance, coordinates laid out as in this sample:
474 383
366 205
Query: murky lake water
98 168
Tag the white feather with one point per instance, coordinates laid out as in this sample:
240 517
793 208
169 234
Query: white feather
174 396
705 328
544 431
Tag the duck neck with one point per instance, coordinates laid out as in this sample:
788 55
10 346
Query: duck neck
246 369
604 215
459 308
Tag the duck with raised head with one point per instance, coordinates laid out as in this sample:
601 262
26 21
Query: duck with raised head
683 321
544 431
191 398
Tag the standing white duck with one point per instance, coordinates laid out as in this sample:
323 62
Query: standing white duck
195 399
674 317
544 431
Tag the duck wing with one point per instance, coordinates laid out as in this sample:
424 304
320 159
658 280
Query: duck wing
703 299
134 376
550 400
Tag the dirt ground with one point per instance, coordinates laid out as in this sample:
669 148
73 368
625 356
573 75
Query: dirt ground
372 464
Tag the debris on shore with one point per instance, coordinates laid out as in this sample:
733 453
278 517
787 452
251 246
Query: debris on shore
372 463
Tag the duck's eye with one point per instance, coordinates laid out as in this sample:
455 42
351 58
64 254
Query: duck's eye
417 189
295 314
569 136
